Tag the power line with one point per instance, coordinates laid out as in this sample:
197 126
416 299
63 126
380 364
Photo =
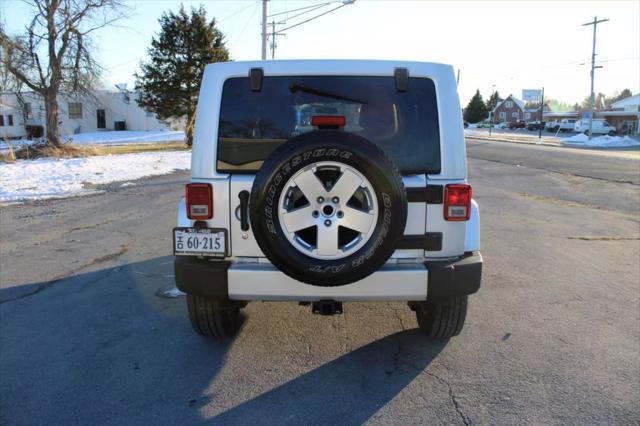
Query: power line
239 11
315 17
295 10
240 34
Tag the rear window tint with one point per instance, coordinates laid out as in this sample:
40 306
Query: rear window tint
403 124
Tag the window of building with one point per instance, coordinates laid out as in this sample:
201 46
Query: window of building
10 119
28 112
514 114
1 120
527 116
502 115
75 110
508 104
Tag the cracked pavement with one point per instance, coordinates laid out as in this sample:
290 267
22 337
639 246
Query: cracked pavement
553 336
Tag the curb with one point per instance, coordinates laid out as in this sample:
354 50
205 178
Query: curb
484 138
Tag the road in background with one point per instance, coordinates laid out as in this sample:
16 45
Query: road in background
553 336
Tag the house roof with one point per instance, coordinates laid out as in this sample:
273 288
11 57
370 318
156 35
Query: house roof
630 101
515 100
618 113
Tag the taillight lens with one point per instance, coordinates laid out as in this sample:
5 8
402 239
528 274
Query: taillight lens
328 120
199 201
457 202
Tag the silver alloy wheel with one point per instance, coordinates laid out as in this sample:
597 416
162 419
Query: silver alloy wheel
328 210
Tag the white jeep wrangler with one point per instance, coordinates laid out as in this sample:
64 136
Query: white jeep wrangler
322 182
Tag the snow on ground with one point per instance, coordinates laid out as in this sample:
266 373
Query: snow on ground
601 141
125 137
106 138
56 178
14 144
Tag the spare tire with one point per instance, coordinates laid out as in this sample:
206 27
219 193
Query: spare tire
327 208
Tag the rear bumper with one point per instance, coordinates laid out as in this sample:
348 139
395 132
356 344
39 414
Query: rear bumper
262 281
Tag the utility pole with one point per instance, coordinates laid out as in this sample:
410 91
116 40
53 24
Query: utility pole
264 29
541 115
274 35
595 23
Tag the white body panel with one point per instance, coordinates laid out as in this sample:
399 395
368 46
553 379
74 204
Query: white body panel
262 281
472 232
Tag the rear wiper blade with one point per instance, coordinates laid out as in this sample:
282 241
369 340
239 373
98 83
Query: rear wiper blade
299 88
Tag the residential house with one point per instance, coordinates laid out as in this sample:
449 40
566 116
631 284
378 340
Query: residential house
95 111
508 110
624 115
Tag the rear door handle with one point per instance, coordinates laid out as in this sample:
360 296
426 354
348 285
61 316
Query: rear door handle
244 210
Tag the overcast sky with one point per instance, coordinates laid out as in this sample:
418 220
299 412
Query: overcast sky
513 45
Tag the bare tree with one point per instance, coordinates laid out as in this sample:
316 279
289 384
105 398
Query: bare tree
60 32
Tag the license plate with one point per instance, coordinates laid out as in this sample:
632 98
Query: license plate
200 242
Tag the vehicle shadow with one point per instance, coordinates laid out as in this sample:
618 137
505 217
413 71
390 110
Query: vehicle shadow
102 347
348 390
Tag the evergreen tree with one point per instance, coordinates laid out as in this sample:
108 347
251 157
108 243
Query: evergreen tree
169 82
476 111
493 101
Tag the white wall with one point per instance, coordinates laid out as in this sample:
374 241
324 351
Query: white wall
117 107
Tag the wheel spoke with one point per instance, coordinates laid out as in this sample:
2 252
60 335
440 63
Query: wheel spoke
310 185
298 219
327 240
357 220
346 185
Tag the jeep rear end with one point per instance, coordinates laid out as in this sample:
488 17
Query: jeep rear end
325 182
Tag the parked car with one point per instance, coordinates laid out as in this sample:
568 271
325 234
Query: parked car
321 215
535 125
485 124
564 125
520 124
598 127
501 125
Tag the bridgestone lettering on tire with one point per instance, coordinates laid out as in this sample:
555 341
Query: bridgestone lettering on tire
327 207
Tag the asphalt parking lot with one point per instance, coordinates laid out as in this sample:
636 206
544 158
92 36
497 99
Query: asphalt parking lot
553 336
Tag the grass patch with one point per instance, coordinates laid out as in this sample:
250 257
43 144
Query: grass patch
79 151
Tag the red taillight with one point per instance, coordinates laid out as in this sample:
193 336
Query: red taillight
328 120
199 201
457 202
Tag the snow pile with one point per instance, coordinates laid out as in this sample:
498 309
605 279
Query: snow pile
5 146
105 138
601 141
56 178
124 137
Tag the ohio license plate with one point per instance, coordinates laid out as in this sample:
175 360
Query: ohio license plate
200 242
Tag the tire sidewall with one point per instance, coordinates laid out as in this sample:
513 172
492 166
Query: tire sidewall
302 152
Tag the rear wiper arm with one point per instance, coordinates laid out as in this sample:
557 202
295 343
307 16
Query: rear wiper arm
299 88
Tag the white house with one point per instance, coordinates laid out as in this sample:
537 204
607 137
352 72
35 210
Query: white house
96 111
624 115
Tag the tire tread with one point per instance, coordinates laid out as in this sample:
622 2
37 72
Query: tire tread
442 319
211 318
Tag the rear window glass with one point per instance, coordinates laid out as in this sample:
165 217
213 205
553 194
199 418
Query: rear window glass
403 124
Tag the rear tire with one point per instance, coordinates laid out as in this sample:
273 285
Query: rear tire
213 318
442 319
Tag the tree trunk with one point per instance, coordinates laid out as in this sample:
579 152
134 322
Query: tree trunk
53 127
